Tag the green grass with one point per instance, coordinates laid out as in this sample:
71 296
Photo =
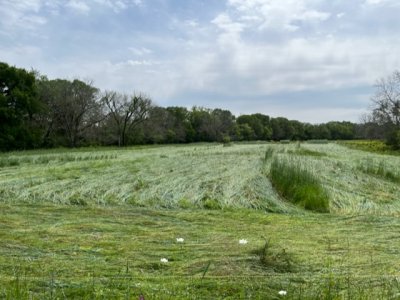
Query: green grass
380 169
50 252
324 141
375 146
94 223
192 176
307 152
298 185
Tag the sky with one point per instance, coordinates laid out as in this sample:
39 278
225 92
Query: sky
308 60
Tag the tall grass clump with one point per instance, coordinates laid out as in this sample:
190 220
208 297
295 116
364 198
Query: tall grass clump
378 169
268 153
298 185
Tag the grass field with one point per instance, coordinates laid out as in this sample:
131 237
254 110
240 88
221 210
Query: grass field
95 224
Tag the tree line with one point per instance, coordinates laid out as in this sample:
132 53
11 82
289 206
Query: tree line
36 112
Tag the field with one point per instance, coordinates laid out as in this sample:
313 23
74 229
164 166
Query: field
96 223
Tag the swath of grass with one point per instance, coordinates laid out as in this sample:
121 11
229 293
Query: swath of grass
378 169
298 185
307 152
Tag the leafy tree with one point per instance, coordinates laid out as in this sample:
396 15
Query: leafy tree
260 125
73 107
282 129
341 130
18 105
180 120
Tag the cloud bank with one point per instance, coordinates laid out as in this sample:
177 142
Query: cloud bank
311 60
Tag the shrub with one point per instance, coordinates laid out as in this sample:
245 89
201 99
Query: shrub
298 185
393 139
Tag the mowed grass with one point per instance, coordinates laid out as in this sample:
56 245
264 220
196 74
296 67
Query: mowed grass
168 176
206 176
95 223
58 252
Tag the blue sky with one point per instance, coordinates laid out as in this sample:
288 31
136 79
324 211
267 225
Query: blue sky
309 60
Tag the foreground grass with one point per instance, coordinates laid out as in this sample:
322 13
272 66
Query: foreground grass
58 252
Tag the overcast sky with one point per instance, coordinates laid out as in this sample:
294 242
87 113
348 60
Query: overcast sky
309 60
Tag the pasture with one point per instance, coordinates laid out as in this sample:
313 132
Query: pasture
96 223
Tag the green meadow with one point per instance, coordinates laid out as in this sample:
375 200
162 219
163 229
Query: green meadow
315 220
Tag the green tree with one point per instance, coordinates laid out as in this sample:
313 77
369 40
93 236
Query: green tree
260 125
18 105
73 107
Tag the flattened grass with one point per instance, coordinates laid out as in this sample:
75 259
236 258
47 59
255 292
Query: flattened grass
379 168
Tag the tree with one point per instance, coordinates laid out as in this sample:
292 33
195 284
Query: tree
18 105
260 125
126 111
72 108
386 107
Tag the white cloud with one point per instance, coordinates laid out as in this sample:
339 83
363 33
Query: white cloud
20 15
277 14
119 5
340 15
141 51
382 2
375 1
78 6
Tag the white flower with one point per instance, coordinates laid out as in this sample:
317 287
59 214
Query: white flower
243 242
180 240
282 293
164 260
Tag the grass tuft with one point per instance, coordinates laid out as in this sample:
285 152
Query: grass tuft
268 154
298 185
279 261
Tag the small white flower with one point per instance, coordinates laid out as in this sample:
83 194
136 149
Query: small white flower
180 240
243 242
282 293
164 260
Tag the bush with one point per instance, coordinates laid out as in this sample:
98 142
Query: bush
298 185
393 139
